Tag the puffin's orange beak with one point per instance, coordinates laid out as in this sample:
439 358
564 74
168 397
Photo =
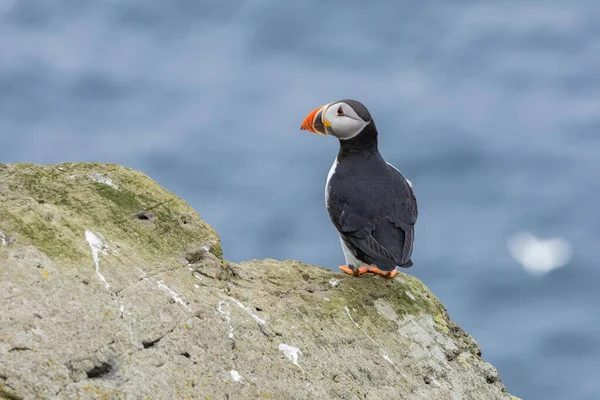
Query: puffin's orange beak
314 121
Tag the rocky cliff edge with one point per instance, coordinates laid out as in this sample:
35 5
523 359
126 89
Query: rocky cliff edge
114 288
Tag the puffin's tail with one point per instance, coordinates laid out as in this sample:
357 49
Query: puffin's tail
406 264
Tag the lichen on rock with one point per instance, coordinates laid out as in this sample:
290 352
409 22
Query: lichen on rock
113 287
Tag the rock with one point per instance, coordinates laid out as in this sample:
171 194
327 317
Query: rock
113 287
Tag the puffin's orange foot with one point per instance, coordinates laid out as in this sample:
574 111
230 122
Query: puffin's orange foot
346 269
350 271
388 275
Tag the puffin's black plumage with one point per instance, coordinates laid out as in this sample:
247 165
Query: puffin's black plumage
370 202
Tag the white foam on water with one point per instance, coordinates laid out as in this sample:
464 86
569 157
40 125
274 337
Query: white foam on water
539 256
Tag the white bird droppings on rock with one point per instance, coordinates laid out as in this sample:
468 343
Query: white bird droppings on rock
255 317
98 247
291 353
236 376
226 311
143 274
174 295
410 295
37 331
539 256
102 179
387 358
334 282
2 239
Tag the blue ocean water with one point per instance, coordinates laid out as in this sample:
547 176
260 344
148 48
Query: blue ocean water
490 108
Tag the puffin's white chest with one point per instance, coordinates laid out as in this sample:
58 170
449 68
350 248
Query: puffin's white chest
329 175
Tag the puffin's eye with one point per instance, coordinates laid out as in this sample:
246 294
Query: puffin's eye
340 111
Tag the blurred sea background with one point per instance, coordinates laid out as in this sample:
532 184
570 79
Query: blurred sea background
490 108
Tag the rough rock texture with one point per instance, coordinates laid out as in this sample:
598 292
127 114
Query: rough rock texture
112 287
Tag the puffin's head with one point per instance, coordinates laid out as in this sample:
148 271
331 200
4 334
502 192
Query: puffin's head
343 119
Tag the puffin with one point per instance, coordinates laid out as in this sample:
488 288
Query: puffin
370 203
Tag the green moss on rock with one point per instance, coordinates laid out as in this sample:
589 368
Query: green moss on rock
51 207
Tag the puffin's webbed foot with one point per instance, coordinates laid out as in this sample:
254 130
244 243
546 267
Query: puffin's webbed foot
350 271
388 274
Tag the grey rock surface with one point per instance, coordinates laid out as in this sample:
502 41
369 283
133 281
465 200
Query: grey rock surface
114 288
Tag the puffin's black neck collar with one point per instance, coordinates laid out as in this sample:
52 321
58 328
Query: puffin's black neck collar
365 142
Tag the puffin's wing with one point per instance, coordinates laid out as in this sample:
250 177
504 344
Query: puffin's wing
359 232
403 214
375 225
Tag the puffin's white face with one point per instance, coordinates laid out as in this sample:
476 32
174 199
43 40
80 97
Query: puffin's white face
337 119
341 121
